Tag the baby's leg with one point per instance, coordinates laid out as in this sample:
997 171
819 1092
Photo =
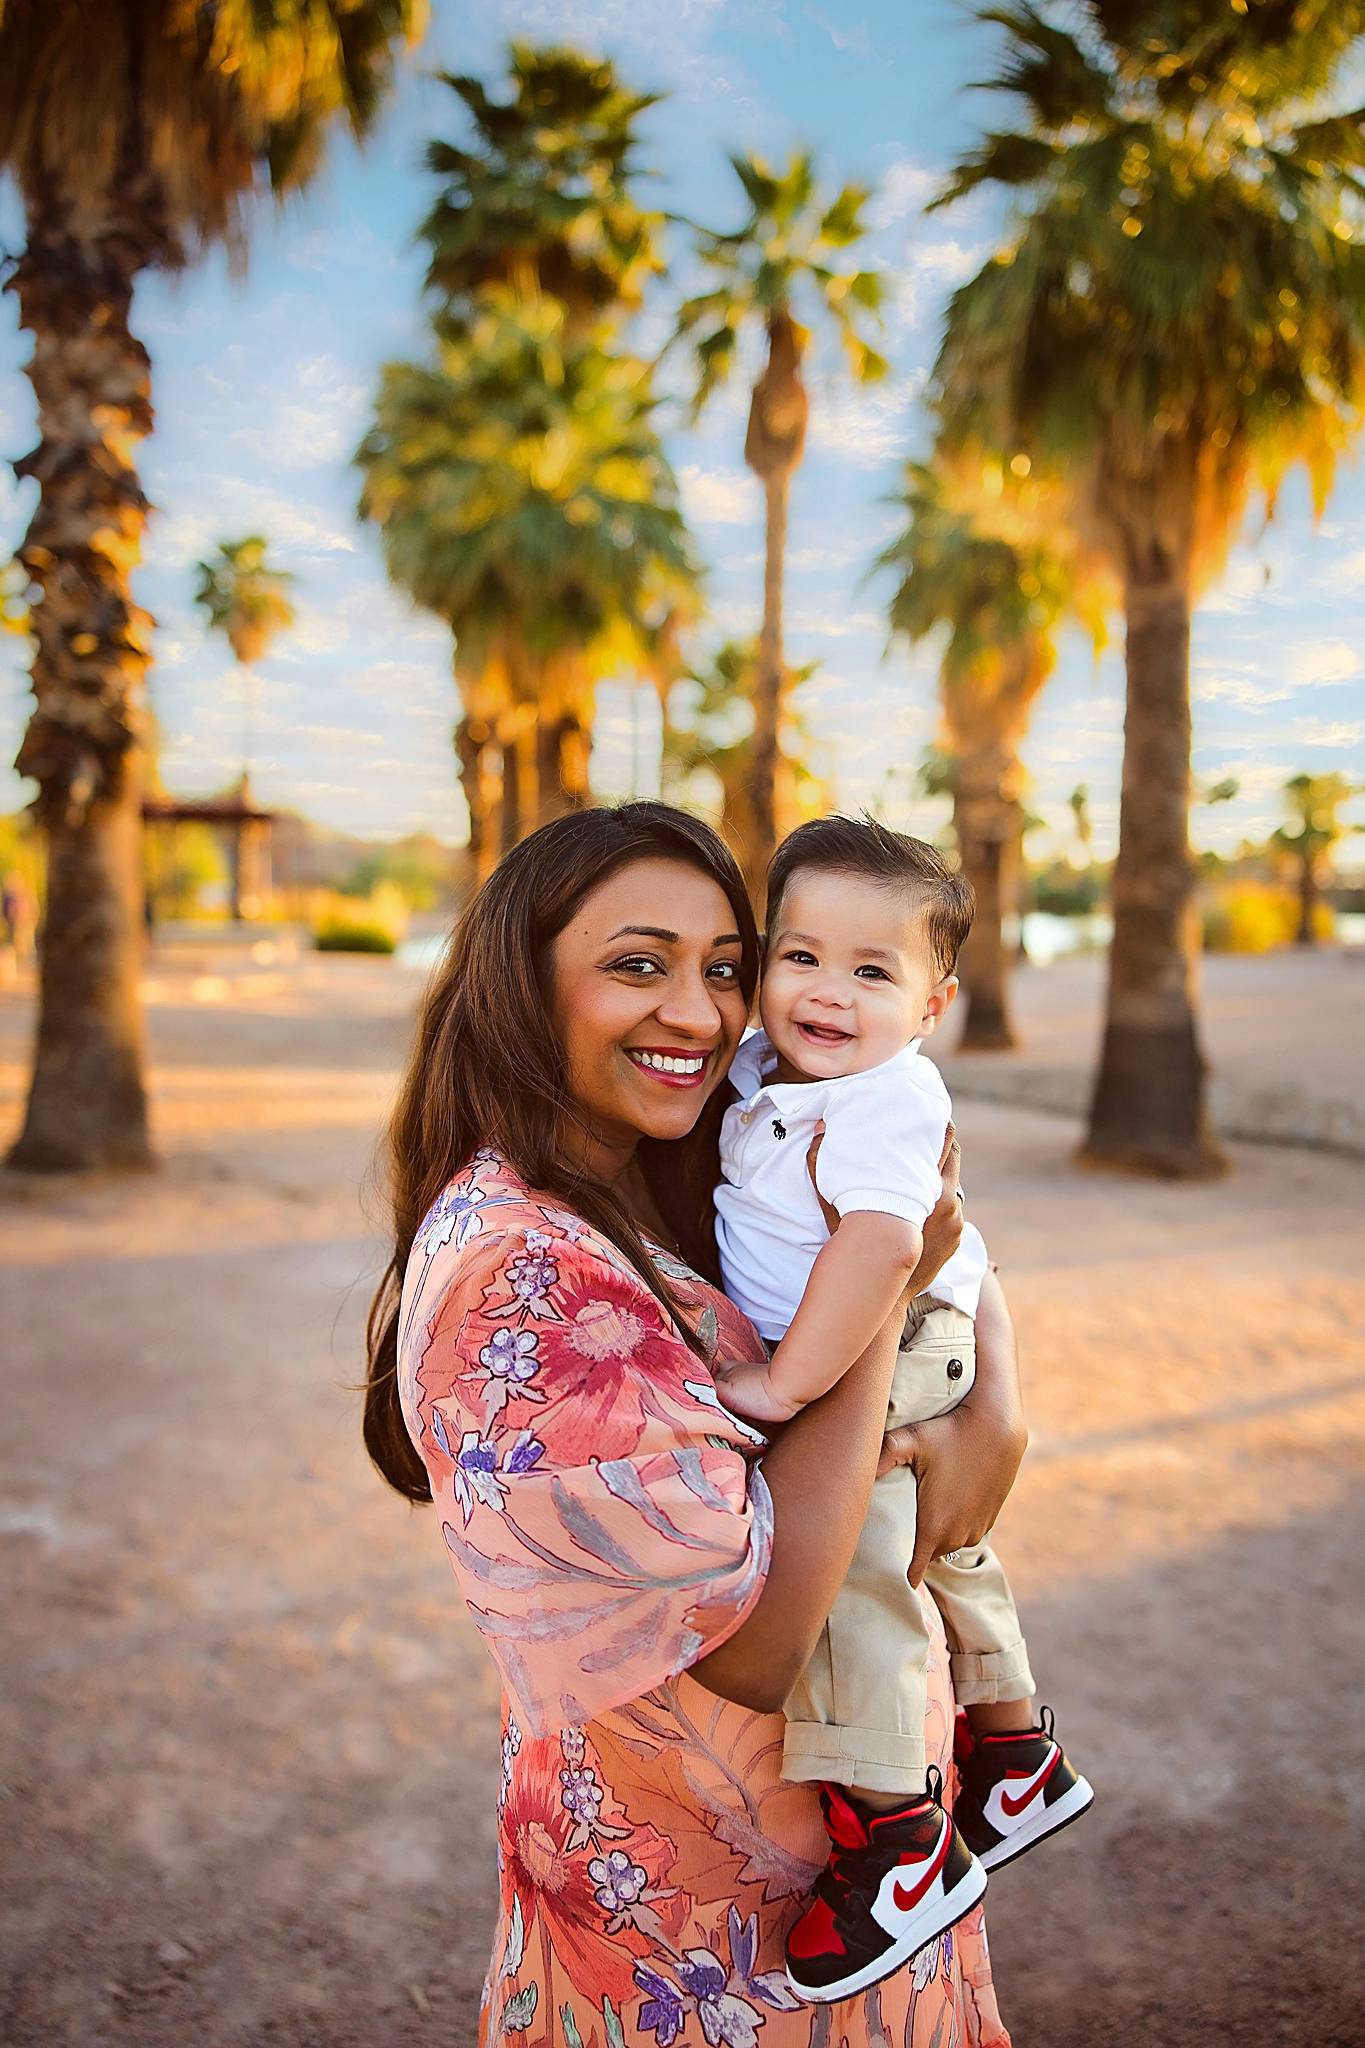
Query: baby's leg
989 1661
856 1715
899 1872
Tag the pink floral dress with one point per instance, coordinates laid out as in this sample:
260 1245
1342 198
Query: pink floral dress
608 1524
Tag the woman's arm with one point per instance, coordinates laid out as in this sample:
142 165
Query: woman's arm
965 1462
819 1473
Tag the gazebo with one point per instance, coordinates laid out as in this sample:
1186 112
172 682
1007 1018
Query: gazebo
242 823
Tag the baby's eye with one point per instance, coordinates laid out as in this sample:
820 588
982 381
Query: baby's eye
877 973
799 955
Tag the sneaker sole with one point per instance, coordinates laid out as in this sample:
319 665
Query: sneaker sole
1050 1821
955 1906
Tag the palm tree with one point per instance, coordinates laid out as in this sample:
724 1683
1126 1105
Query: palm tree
523 495
713 737
1314 803
136 137
542 204
539 208
1178 313
1002 601
781 259
247 601
1083 830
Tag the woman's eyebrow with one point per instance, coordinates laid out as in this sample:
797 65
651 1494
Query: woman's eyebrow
665 938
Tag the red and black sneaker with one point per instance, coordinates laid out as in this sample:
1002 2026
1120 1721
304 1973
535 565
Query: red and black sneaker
893 1881
1016 1790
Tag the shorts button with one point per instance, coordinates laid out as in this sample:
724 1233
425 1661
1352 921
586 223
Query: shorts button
955 1368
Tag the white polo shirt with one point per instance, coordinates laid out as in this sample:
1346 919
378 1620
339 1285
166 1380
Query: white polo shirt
884 1132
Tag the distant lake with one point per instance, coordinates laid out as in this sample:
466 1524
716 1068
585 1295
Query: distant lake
422 952
1047 938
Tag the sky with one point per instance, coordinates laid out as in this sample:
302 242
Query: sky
262 388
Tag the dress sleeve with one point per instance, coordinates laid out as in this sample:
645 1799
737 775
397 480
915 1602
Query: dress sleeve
881 1151
605 1520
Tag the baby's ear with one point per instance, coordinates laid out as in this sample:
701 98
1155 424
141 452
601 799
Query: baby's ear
940 1002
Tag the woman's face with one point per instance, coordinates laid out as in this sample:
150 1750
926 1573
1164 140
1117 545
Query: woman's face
646 997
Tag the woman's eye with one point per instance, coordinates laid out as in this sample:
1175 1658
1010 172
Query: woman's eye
636 963
728 971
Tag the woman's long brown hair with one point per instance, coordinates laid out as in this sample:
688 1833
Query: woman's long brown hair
487 1068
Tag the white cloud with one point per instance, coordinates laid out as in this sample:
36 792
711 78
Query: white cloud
228 505
904 187
1245 580
717 497
835 625
925 276
1322 732
1323 661
865 424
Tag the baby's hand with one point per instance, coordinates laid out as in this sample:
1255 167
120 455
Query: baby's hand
747 1390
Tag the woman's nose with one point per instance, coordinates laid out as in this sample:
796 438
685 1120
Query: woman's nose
688 1005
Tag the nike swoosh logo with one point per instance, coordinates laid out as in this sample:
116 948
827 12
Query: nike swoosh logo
908 1898
1014 1803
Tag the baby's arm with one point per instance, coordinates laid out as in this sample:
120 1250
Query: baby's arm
854 1285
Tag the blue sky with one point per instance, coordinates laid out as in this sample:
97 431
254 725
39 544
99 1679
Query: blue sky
262 388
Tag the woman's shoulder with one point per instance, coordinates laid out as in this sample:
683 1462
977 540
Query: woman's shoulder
488 1222
490 1242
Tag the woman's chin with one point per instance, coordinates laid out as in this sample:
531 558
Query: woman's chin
668 1113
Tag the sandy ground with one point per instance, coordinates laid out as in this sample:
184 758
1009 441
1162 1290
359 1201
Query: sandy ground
248 1737
1285 1056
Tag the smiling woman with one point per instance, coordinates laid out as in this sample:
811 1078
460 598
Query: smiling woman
540 1368
649 1018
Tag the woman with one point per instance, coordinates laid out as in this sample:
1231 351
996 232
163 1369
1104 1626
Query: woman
649 1588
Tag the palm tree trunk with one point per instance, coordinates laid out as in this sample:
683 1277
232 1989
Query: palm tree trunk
1309 893
1149 1111
520 775
573 762
474 748
768 683
987 841
74 282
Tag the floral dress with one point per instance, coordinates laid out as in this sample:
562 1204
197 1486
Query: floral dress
608 1525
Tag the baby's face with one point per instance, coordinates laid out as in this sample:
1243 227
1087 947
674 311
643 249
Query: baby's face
849 980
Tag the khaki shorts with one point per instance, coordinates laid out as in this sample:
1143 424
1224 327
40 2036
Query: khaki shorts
856 1715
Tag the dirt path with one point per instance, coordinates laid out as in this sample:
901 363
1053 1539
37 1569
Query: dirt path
248 1734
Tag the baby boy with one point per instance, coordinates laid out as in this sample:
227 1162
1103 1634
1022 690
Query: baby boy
864 926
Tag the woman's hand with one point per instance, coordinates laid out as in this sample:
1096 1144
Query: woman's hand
943 1224
965 1462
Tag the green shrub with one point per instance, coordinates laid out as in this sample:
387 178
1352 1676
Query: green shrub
1067 895
353 935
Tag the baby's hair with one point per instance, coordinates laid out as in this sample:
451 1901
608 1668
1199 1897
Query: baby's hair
872 851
